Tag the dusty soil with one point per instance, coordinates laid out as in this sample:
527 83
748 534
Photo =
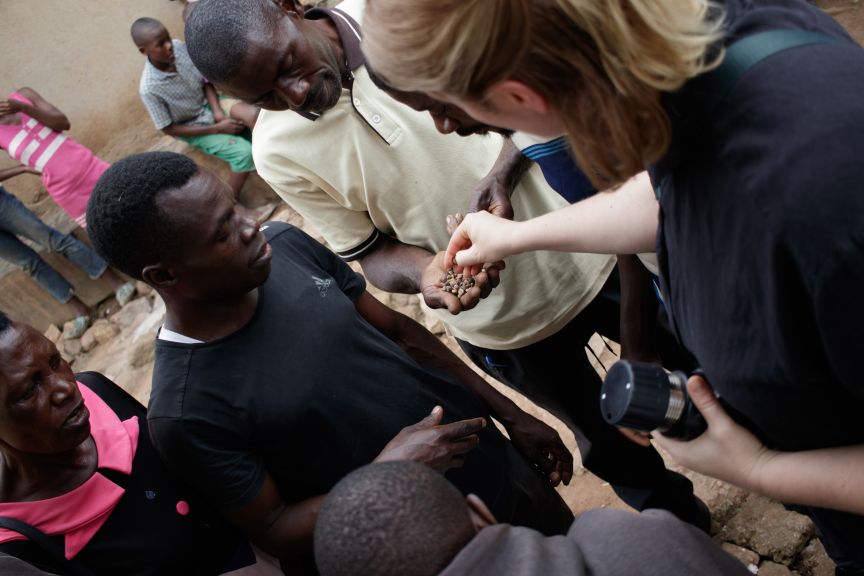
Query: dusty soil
79 56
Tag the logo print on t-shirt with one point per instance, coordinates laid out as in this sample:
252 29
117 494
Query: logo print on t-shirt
323 284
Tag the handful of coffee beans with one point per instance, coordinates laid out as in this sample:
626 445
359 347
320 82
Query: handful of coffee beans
457 284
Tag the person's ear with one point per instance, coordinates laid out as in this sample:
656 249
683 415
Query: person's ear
159 276
290 6
480 514
509 95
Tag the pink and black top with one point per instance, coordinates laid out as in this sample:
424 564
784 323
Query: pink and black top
133 516
69 170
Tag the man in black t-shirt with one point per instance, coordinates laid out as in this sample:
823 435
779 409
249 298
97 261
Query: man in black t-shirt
277 373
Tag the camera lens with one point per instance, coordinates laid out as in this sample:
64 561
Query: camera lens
645 397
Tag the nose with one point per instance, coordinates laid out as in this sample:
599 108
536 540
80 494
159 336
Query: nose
62 388
249 227
293 91
445 124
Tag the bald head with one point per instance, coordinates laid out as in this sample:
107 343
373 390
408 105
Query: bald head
144 29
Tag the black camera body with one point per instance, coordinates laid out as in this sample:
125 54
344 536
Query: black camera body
645 397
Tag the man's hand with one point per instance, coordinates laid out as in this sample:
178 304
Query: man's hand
228 126
438 446
492 194
726 450
541 445
10 106
432 286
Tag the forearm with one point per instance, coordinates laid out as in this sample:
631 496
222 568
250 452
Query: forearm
213 101
396 267
510 165
638 310
188 130
428 350
8 173
288 535
47 115
622 221
827 478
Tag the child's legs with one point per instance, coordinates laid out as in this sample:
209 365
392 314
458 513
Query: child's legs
15 251
242 111
233 149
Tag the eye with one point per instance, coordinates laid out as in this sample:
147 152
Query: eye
30 391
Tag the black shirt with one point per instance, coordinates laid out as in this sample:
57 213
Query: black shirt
308 390
761 241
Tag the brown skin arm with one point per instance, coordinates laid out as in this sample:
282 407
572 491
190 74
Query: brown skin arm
536 441
493 192
224 126
405 269
213 101
638 311
8 173
43 111
285 530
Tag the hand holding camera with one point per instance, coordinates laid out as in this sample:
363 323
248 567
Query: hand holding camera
645 397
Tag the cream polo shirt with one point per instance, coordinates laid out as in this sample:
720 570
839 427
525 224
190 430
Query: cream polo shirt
371 165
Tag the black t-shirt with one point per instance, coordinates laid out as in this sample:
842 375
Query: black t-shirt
308 390
145 535
762 231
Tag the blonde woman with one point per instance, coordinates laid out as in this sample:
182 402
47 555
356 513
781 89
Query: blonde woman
752 139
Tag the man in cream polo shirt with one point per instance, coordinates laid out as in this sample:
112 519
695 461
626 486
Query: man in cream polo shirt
377 180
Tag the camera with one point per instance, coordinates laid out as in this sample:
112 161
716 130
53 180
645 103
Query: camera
645 397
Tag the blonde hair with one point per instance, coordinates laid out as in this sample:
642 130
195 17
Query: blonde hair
600 64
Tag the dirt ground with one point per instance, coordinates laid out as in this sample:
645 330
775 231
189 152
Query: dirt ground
79 56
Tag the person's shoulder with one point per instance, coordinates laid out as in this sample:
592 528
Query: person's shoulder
282 236
274 229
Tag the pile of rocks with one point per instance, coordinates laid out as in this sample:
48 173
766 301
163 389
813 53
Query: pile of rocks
120 346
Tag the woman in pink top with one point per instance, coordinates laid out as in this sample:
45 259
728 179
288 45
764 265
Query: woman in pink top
31 132
76 463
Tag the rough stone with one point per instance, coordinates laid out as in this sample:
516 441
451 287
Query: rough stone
814 561
142 288
72 347
53 333
143 353
88 340
67 330
103 331
127 315
769 568
747 557
769 529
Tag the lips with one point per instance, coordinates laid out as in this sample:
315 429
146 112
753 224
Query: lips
78 417
323 94
263 256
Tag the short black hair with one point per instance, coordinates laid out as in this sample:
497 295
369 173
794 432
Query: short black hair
123 219
5 322
141 29
217 34
391 518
